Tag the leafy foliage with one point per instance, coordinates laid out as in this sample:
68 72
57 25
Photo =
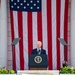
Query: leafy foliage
6 71
67 70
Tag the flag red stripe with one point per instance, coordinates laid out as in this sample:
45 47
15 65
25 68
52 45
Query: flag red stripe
30 38
39 26
66 29
13 47
49 33
20 30
58 32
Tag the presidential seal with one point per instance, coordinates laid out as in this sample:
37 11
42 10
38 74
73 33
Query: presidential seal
38 59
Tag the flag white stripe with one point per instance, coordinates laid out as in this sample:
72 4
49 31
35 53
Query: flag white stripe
54 49
44 25
25 40
34 26
15 16
62 30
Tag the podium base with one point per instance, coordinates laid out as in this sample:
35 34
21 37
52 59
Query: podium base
37 68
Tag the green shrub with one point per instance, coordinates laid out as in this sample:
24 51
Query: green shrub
67 70
6 71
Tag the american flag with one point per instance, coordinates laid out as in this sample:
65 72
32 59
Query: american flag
43 20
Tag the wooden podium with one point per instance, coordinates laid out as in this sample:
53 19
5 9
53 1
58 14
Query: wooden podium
37 68
38 62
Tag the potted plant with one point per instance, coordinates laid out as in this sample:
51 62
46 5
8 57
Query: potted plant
67 70
6 71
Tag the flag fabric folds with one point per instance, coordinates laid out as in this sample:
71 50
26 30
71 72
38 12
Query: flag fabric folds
43 20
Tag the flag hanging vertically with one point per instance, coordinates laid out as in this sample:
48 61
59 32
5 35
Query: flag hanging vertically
44 20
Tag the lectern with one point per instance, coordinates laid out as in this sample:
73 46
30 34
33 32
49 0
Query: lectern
38 62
